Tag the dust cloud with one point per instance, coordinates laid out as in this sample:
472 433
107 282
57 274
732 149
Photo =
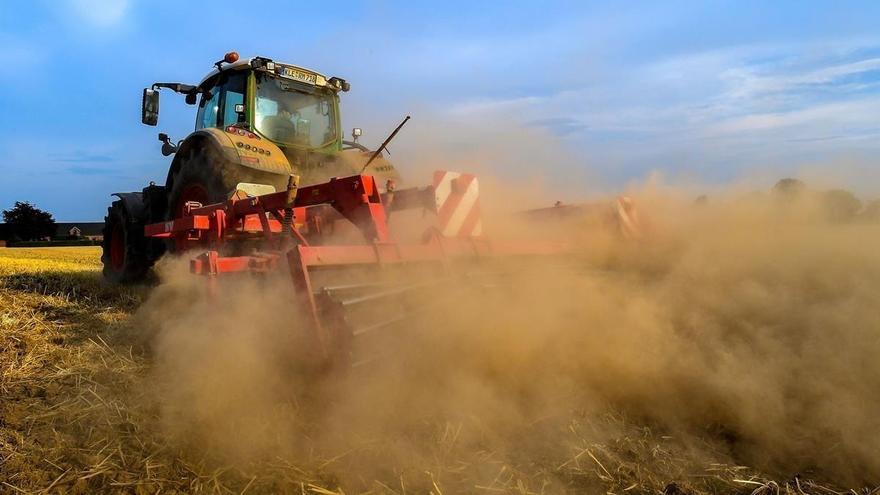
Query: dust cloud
745 324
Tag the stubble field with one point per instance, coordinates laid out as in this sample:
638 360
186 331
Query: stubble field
93 402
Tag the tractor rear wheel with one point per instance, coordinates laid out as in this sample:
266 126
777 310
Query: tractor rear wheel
122 254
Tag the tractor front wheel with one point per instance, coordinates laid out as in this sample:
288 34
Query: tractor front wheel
205 177
200 179
124 260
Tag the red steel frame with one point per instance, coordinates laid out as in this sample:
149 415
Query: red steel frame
303 210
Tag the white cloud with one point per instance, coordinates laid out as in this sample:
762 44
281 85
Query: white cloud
100 13
830 74
729 108
759 81
817 119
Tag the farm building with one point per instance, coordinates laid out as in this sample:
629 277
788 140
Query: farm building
65 230
85 230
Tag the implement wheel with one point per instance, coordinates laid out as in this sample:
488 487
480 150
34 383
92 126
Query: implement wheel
122 249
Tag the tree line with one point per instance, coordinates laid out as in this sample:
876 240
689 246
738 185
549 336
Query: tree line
26 222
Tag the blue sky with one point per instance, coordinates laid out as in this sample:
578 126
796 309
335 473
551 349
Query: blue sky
712 91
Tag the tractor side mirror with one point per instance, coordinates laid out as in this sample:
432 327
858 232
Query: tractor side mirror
150 107
356 133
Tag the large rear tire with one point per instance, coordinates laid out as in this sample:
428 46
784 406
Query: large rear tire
123 256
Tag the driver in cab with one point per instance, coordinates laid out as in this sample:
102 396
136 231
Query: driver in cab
281 126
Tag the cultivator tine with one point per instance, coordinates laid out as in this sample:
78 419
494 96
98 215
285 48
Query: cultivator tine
371 298
305 298
378 326
362 310
372 314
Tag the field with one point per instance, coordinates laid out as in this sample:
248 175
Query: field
85 410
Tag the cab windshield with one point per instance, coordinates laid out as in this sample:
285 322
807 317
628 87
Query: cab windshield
289 114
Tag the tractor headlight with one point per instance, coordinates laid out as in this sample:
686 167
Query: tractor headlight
339 84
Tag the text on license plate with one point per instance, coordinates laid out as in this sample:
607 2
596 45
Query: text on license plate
300 75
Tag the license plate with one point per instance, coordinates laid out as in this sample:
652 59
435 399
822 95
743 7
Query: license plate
300 75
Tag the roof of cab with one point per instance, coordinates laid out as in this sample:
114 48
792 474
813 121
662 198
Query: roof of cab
246 62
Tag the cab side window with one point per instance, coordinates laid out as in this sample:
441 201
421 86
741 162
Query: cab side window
233 94
219 110
208 108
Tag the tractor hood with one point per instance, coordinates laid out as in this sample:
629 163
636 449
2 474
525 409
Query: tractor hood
314 167
247 149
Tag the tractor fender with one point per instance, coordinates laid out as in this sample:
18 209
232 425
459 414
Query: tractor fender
133 202
252 152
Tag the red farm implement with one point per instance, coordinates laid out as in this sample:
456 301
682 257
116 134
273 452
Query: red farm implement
231 199
293 231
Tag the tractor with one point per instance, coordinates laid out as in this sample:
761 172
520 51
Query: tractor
258 122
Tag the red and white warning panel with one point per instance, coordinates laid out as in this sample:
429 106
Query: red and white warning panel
628 218
457 198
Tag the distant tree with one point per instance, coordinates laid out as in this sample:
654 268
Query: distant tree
27 222
872 211
841 205
789 187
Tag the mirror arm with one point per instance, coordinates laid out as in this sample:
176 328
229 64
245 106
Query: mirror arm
189 90
176 87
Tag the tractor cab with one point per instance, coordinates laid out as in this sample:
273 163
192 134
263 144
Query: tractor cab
291 110
291 106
